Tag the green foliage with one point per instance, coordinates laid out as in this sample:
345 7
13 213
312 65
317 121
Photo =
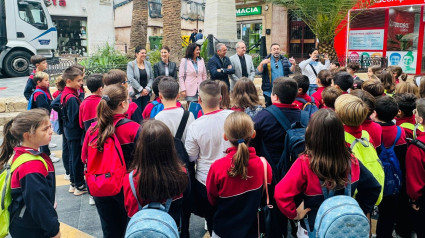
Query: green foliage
104 59
204 51
154 56
256 60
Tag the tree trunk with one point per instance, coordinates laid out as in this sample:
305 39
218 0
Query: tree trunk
139 25
171 11
327 47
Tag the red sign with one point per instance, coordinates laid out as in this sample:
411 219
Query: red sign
62 3
392 3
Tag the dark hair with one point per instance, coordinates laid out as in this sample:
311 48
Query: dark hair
60 83
357 84
311 50
422 88
13 131
344 80
225 97
94 82
329 96
387 80
406 103
398 71
245 94
273 44
79 66
325 77
303 82
354 66
210 93
138 49
190 50
169 88
325 146
114 76
71 73
164 47
335 63
420 107
160 172
367 98
374 87
36 59
116 94
155 85
286 89
200 30
376 69
386 108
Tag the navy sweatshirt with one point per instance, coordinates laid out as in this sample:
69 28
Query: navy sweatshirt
40 100
30 86
71 104
33 194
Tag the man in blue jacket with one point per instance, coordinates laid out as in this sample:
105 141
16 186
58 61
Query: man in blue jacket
220 66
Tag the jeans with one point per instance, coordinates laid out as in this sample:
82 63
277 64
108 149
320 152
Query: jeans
76 165
113 216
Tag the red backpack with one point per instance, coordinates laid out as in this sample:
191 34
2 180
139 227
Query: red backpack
104 169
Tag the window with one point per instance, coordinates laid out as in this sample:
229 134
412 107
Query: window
33 13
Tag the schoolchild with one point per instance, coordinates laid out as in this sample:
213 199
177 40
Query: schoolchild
205 144
357 84
393 208
70 104
225 98
323 80
343 81
415 176
406 87
405 117
374 87
245 97
326 162
40 64
373 128
82 93
374 71
116 76
110 111
157 171
352 69
303 85
239 176
33 184
335 66
397 73
329 96
388 81
88 107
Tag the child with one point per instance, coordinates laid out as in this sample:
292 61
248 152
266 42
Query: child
88 107
70 102
32 210
388 81
329 96
373 128
374 87
302 97
406 87
397 73
156 172
405 117
357 84
335 65
116 76
415 175
40 64
324 80
225 97
392 207
205 144
373 71
83 69
422 88
245 97
343 81
326 162
110 111
237 176
352 69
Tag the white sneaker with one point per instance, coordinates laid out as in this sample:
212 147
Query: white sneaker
67 177
205 226
54 158
91 201
71 189
52 145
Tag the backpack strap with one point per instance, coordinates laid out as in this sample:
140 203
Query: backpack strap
280 117
315 73
265 188
417 127
305 118
301 100
133 189
122 122
182 125
350 139
26 158
397 137
29 107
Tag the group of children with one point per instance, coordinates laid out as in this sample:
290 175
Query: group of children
225 140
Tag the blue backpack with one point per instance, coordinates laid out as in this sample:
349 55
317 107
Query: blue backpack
294 143
309 107
393 175
339 216
157 107
29 107
151 221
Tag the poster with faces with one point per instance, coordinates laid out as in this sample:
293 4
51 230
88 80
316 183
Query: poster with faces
369 58
405 59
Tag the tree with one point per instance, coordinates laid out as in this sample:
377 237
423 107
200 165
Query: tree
172 28
323 17
139 25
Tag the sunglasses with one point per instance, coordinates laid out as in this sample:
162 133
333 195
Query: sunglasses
275 65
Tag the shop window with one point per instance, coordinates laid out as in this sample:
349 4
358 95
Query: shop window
250 33
372 18
155 8
33 13
72 33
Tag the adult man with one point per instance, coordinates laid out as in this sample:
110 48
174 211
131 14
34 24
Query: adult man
242 63
192 36
273 67
220 66
199 36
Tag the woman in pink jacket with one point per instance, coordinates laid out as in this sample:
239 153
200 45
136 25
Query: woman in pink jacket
191 73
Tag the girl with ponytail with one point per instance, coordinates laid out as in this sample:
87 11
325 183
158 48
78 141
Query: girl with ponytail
239 176
111 119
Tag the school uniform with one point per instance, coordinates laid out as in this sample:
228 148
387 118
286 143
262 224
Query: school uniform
374 130
55 104
356 131
410 120
393 208
41 101
232 217
30 85
301 183
88 111
73 134
172 117
33 197
148 109
318 96
134 113
306 98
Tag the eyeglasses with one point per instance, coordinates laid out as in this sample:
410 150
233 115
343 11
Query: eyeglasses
127 81
275 65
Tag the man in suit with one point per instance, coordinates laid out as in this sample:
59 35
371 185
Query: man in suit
220 66
192 36
242 63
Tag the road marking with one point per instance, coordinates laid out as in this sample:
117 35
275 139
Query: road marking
71 232
3 88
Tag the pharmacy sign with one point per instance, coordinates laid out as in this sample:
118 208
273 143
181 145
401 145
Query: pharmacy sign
248 11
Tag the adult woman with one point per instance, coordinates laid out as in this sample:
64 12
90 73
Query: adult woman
140 75
192 72
312 66
165 66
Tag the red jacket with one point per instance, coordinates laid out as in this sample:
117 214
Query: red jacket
88 110
318 96
415 171
374 130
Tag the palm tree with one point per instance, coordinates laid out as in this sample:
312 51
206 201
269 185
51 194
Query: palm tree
139 25
172 28
323 17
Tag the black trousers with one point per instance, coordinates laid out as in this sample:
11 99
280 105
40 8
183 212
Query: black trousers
65 154
203 206
387 216
142 102
113 216
417 219
76 166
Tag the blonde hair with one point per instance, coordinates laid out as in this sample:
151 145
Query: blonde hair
351 109
407 87
39 76
239 128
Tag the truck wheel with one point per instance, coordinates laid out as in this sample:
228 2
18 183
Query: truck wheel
16 64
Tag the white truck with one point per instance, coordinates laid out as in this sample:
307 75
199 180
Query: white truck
26 29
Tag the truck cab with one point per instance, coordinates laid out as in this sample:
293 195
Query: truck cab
26 29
